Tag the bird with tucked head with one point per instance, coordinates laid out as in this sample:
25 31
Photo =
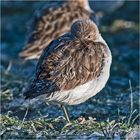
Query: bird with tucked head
72 68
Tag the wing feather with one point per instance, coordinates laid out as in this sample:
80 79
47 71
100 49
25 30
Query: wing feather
71 63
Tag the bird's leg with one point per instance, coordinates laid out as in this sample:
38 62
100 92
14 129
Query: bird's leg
65 111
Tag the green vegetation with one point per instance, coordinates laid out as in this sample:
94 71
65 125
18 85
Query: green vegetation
14 128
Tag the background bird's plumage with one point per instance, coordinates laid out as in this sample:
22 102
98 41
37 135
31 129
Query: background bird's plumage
50 24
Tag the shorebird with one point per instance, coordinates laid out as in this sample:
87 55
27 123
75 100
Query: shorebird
73 68
52 22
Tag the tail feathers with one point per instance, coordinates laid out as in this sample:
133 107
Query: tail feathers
27 56
39 88
29 94
32 93
31 51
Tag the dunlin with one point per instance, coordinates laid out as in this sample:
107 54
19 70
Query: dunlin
73 68
50 23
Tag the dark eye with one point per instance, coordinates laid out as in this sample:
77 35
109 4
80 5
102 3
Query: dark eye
89 36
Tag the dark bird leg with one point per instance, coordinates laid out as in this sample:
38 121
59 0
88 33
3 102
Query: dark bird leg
65 111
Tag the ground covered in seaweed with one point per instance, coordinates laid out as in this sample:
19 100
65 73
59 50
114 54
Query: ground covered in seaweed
113 113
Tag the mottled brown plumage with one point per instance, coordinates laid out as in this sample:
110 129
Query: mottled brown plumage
53 22
70 61
73 68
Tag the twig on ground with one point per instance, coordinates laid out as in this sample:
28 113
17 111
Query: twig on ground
131 97
9 67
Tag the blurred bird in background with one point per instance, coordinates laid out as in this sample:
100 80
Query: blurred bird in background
52 21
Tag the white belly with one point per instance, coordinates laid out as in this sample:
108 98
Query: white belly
82 93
